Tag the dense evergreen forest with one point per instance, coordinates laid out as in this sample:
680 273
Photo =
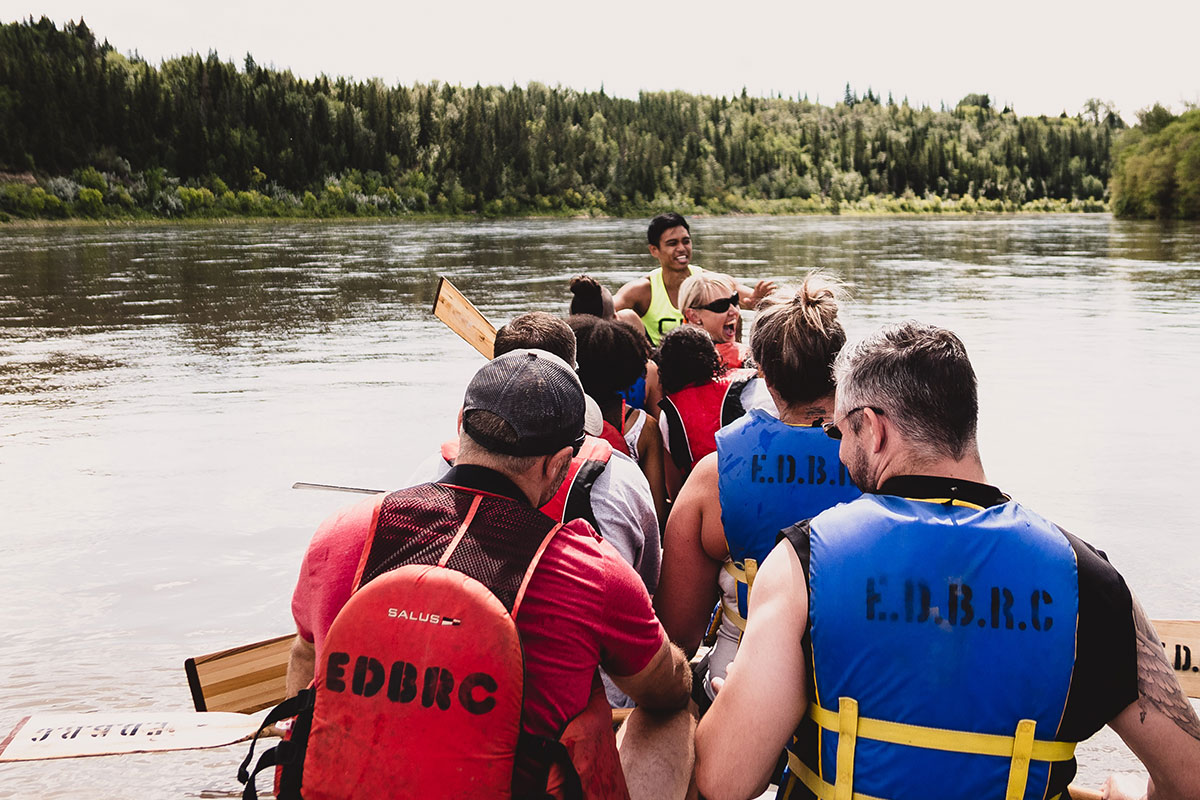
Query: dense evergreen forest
87 131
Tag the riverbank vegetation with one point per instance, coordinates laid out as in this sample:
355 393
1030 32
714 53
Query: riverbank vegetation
88 132
1158 167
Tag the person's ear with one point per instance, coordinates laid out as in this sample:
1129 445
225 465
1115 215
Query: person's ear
460 416
876 431
557 461
692 316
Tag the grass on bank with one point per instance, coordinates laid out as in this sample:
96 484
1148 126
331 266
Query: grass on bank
92 195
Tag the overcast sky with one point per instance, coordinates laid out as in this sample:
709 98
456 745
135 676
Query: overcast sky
1040 56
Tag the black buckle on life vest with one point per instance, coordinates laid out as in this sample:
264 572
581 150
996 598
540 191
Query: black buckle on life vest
288 753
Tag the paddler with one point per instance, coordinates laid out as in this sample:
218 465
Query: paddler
581 607
935 639
765 475
654 297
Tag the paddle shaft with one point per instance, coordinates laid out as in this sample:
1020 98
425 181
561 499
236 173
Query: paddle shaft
329 487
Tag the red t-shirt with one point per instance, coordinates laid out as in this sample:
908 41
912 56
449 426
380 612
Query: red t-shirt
584 607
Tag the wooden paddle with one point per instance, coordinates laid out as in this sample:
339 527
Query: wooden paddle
39 737
454 309
215 685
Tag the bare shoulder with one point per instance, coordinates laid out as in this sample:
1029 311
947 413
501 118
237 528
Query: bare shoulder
635 295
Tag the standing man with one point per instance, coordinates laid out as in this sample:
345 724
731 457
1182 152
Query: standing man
583 606
936 639
654 297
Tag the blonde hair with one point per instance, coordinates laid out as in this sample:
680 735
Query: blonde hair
796 338
693 290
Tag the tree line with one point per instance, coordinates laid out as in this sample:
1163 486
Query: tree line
87 131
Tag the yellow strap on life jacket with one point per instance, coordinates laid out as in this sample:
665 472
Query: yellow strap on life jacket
944 501
823 790
1018 770
742 574
843 787
984 744
737 619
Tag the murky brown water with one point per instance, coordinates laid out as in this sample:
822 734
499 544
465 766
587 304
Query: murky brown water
161 388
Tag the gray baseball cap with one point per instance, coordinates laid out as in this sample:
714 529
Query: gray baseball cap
537 394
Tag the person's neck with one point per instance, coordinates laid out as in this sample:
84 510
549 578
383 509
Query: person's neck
811 413
674 278
611 412
524 481
968 468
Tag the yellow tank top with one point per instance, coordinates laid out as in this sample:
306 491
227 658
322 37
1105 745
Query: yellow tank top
661 316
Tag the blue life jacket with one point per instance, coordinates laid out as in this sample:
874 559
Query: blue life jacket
955 621
771 475
635 395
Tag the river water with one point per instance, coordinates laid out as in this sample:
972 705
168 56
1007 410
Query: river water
162 387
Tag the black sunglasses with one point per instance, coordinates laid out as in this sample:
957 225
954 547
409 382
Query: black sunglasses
722 305
834 432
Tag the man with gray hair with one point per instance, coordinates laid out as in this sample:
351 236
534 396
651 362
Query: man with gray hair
581 606
935 638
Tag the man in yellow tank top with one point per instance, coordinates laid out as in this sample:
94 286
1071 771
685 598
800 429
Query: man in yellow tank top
654 297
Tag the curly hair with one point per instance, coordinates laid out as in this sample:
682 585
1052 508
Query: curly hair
610 355
687 357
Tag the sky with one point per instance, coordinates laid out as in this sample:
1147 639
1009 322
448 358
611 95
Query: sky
1038 56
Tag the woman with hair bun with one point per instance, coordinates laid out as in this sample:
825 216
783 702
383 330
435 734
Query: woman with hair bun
611 355
765 475
590 297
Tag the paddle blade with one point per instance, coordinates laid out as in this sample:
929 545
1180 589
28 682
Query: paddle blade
72 735
241 679
454 309
1181 638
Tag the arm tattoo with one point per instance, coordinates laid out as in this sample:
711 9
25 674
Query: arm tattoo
1157 686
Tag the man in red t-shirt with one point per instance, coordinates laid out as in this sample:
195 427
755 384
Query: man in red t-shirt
584 606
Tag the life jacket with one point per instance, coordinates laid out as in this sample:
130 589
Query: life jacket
733 354
611 434
771 475
942 641
614 437
419 688
695 413
573 500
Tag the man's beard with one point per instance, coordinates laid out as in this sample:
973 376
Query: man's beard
859 468
557 483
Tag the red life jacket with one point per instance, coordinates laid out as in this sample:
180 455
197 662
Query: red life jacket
695 414
573 500
420 686
733 354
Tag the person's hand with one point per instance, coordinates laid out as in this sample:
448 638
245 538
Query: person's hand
719 683
761 290
1123 786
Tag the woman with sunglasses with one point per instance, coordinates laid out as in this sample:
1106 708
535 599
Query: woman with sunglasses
710 300
765 475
